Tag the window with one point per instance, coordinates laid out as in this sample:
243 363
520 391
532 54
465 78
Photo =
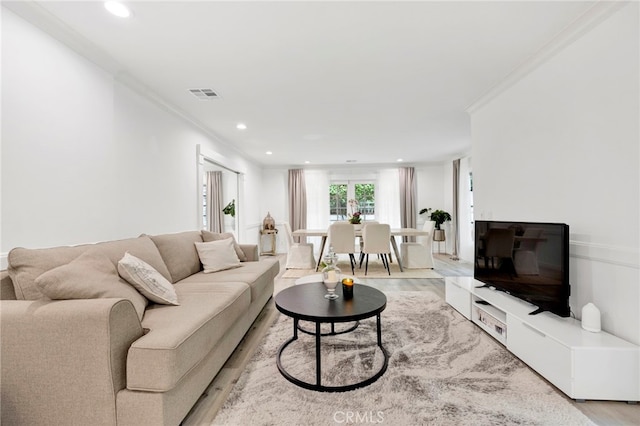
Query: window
204 204
337 202
340 194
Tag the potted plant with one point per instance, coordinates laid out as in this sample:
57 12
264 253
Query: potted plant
439 217
354 216
230 208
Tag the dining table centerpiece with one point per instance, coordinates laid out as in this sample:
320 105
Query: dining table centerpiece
355 217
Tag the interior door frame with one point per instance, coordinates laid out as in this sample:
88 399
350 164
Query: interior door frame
204 155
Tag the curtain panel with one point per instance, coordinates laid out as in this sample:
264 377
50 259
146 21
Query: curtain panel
456 209
214 201
297 201
407 199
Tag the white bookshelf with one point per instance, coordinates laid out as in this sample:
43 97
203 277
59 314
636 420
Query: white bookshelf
582 364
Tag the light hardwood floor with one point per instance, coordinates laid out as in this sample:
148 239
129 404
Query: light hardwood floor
604 413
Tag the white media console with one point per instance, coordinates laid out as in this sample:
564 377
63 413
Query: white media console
582 364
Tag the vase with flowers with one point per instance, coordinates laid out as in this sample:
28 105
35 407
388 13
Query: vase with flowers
355 217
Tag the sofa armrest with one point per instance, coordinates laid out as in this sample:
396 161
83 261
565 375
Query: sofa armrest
7 292
251 251
64 361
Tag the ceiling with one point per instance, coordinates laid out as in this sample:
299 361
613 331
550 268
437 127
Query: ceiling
326 82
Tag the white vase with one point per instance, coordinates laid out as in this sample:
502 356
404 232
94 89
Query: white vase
357 226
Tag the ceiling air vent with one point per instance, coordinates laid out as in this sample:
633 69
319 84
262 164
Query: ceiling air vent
204 94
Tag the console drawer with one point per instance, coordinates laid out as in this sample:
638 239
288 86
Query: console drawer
459 298
542 353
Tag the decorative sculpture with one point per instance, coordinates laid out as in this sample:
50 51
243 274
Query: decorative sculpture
268 223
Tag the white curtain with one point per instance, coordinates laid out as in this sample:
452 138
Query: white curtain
317 183
388 198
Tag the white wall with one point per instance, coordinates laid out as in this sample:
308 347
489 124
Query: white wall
562 145
274 186
430 183
85 158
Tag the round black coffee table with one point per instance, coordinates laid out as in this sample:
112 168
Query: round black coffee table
306 302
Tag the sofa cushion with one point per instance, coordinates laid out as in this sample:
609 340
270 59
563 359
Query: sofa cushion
208 236
258 275
25 265
91 275
149 282
181 336
179 253
217 255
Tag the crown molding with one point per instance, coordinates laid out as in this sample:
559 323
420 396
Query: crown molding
41 18
595 15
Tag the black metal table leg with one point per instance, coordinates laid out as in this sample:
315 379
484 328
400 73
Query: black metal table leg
318 357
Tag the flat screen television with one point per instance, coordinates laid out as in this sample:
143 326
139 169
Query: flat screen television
528 260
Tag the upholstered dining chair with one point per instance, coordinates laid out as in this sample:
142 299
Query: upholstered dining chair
368 222
419 255
299 255
342 237
525 256
375 237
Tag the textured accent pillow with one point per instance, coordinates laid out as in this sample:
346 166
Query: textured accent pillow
178 253
208 236
91 275
218 255
147 280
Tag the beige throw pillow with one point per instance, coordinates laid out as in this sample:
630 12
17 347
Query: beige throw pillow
147 280
218 255
208 236
90 276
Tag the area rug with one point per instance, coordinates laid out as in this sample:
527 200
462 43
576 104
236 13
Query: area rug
442 370
376 270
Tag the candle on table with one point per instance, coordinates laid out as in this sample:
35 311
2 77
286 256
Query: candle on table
347 288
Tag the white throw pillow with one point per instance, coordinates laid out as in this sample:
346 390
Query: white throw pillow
149 282
218 255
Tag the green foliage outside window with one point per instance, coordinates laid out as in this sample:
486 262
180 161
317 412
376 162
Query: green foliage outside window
338 202
366 196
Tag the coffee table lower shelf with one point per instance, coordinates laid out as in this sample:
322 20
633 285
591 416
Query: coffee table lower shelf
318 386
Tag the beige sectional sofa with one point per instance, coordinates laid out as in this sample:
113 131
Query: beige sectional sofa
94 362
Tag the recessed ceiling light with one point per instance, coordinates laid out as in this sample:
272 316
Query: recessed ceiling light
400 160
268 152
117 9
241 126
307 162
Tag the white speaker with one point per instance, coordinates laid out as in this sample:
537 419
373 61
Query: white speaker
591 318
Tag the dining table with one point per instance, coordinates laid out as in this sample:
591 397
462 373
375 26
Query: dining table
395 232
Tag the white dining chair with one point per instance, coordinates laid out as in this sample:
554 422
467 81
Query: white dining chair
299 255
376 239
419 254
368 222
342 238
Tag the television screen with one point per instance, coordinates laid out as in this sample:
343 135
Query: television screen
527 260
